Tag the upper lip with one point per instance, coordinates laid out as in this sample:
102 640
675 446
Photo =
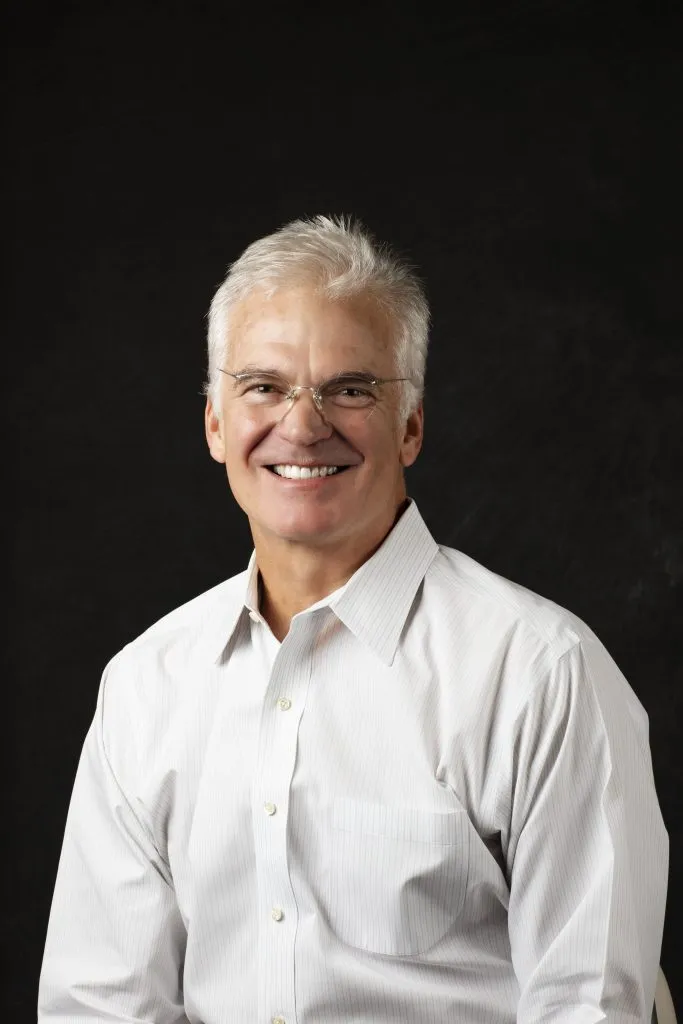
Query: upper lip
305 465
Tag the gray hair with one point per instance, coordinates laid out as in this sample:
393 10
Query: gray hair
341 260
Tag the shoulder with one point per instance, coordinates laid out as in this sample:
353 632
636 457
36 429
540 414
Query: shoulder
499 605
531 650
191 621
151 678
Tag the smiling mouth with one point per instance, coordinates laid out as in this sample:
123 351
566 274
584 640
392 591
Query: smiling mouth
293 472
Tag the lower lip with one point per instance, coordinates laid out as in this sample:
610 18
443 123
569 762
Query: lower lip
306 483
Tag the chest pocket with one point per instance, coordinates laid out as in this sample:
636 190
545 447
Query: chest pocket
396 878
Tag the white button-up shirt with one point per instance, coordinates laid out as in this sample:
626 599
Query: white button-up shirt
433 801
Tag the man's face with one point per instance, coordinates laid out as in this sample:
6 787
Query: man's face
307 340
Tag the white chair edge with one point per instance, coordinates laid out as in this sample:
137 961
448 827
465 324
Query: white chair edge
664 1006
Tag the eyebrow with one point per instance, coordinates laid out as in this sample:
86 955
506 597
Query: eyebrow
252 370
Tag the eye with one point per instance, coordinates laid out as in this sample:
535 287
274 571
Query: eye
259 387
351 393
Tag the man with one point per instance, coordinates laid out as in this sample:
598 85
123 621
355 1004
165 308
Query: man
367 779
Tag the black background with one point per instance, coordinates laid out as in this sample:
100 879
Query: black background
525 156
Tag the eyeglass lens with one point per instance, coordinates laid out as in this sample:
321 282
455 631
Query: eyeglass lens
340 393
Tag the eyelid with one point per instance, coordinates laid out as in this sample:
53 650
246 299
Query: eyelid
350 380
255 380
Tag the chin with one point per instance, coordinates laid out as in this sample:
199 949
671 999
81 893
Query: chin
304 528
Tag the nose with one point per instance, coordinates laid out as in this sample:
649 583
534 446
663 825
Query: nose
302 422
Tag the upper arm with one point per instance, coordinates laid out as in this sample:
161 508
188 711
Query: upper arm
115 940
588 852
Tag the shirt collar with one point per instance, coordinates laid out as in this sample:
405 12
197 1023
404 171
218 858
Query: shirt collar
251 600
373 604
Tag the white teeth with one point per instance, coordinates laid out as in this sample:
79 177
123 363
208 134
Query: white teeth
304 472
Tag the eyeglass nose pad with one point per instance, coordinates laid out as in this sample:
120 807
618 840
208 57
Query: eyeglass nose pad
315 395
318 399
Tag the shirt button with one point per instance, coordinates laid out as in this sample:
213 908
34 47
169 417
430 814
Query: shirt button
284 703
277 913
269 808
278 1020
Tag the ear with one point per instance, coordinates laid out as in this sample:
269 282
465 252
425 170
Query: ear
215 437
413 434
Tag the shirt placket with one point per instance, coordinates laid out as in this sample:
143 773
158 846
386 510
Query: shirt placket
283 707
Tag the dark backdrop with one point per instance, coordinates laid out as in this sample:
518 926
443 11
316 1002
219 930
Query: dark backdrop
526 156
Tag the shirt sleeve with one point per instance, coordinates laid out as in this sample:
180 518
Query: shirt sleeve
588 851
115 941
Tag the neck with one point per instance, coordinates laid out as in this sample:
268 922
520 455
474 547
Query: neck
294 576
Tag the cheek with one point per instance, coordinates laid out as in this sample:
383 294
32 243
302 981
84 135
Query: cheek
383 435
242 437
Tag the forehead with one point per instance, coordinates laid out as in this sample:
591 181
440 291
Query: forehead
299 322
